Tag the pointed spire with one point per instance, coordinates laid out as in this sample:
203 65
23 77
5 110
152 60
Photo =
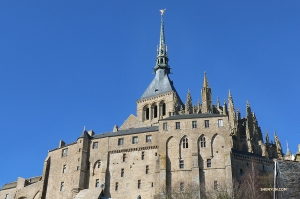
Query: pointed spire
162 57
224 108
188 104
267 138
205 82
218 102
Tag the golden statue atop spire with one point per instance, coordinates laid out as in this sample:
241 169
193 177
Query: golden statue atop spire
162 11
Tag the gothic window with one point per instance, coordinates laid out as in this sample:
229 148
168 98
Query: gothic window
181 164
95 145
202 142
206 123
61 186
147 169
208 163
154 111
177 125
185 143
220 123
120 141
163 109
135 140
146 113
194 124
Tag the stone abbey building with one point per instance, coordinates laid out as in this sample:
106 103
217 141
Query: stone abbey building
168 143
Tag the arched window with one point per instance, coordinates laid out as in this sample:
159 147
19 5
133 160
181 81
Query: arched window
155 111
202 142
98 164
146 113
185 143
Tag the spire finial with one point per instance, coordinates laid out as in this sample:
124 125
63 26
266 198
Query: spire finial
84 128
162 11
205 82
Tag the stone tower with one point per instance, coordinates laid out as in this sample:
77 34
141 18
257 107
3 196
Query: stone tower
160 98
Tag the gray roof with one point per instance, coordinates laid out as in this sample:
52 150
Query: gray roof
159 85
9 185
191 116
84 134
127 132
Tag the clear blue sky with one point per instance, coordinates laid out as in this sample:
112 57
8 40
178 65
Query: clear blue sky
69 64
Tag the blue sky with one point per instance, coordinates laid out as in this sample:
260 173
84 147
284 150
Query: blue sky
69 64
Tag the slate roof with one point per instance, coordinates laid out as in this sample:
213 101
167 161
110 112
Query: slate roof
191 116
159 85
127 132
85 134
9 185
289 175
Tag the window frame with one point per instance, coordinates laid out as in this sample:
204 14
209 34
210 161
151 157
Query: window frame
208 163
97 183
147 169
64 152
185 143
165 126
62 184
194 124
116 186
64 168
206 123
135 139
120 141
147 138
203 142
181 186
139 184
181 164
124 157
95 145
220 123
177 125
122 172
143 155
215 185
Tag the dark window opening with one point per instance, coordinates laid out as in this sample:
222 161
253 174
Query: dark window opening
181 164
208 163
147 113
206 123
202 142
215 185
185 143
122 172
139 184
143 155
164 109
155 112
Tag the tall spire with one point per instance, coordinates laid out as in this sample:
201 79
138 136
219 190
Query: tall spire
206 97
205 82
162 50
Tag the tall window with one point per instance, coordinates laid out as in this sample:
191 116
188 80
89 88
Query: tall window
117 186
147 169
147 113
143 155
64 168
220 122
65 152
148 138
97 184
139 184
206 123
165 126
202 142
122 172
120 141
181 186
194 124
177 125
181 164
98 164
124 157
185 143
135 140
215 185
155 111
95 145
163 109
61 186
6 196
208 163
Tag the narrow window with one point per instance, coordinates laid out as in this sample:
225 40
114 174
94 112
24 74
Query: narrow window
78 159
122 172
155 111
164 109
88 166
79 149
117 186
6 196
139 184
206 123
215 185
147 169
177 125
208 162
241 171
202 142
98 164
194 124
151 184
165 126
97 183
181 164
143 155
181 186
124 157
185 143
139 197
148 138
147 113
135 140
95 145
64 168
120 141
220 123
61 186
77 168
65 152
